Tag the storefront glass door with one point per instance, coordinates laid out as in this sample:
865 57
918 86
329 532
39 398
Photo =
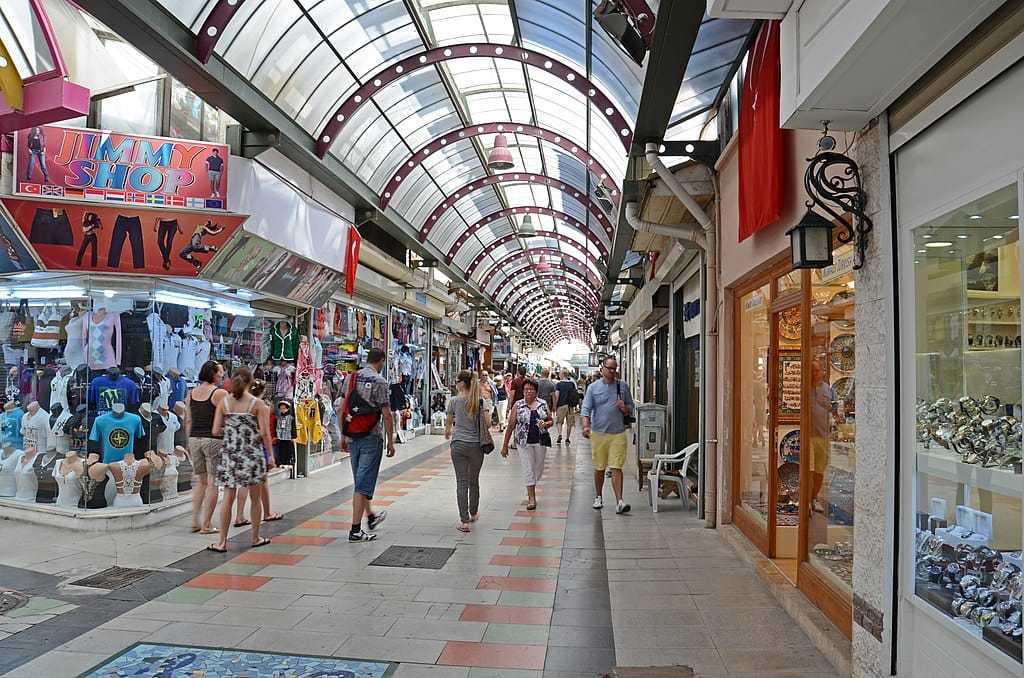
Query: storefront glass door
751 363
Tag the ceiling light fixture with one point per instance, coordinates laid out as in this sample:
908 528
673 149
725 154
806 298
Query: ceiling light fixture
975 216
500 157
962 236
938 244
527 229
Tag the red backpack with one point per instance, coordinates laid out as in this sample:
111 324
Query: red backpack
358 417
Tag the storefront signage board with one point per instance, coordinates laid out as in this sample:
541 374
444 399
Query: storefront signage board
75 236
790 385
14 256
842 263
103 166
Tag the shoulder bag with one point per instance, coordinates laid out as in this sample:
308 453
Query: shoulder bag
487 447
627 419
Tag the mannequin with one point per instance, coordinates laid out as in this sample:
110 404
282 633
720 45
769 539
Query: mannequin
10 423
169 484
103 340
60 409
46 484
94 482
35 426
68 473
112 387
25 475
128 474
116 432
151 491
10 457
74 351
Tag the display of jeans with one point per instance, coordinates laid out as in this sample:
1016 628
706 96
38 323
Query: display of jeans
165 232
90 224
130 228
196 246
51 227
36 158
103 340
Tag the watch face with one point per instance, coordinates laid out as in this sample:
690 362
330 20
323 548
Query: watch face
841 353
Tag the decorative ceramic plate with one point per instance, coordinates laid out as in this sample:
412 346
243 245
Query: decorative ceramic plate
789 323
789 478
837 298
841 353
789 446
843 388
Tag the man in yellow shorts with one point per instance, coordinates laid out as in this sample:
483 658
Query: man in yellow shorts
605 405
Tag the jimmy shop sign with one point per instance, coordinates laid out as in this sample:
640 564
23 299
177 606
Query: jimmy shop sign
86 164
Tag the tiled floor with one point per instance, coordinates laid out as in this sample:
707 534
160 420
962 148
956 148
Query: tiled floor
563 592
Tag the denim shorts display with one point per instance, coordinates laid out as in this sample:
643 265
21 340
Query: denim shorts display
365 455
51 227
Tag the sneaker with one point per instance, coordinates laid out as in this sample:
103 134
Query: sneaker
622 507
568 443
608 473
361 536
376 519
598 503
559 440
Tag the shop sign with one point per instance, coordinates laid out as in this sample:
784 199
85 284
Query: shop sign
88 164
14 256
73 236
691 310
755 301
257 264
842 263
421 298
790 385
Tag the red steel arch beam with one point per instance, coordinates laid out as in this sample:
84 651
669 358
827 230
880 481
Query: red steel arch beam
557 272
522 305
540 279
469 131
513 178
524 254
428 58
511 211
553 319
505 239
214 26
569 295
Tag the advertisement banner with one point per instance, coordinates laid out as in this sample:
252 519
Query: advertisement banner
72 236
87 164
14 256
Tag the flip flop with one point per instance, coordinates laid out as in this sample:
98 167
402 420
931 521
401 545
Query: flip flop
242 523
262 542
195 529
215 549
531 507
209 531
272 517
462 528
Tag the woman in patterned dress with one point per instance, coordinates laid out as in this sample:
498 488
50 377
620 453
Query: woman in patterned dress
244 422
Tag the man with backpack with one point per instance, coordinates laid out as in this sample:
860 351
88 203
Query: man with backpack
365 421
566 400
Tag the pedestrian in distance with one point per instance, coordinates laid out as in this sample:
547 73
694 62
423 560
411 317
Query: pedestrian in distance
366 423
243 422
567 399
500 403
530 423
606 405
467 427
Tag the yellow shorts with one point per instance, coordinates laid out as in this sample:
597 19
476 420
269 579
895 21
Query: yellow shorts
608 450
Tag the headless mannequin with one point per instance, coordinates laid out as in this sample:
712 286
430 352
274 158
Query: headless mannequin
68 473
94 482
35 427
45 465
128 474
27 481
9 459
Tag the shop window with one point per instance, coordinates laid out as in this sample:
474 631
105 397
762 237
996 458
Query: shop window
408 368
831 455
752 369
135 112
186 113
966 375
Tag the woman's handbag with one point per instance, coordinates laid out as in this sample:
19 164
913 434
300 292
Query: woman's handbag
487 447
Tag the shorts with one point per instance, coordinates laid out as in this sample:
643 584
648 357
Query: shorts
365 455
564 414
608 450
213 174
205 452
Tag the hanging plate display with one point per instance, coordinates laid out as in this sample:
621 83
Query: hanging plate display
789 446
838 298
789 323
843 388
841 353
789 480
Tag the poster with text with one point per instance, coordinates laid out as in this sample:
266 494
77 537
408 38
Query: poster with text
71 236
74 163
14 256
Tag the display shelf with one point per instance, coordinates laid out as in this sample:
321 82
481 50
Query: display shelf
944 465
1015 323
992 296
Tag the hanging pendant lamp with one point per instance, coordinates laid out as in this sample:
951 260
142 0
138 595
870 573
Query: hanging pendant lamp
500 157
527 229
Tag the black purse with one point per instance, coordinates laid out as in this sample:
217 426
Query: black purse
627 419
486 448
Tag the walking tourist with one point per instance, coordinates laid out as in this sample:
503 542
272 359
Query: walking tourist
467 428
567 399
531 421
203 446
500 403
605 406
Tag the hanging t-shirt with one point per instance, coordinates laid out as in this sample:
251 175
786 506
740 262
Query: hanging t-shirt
104 392
157 338
116 434
172 351
187 358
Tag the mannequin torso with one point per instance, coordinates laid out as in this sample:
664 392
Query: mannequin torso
9 460
68 474
25 475
128 474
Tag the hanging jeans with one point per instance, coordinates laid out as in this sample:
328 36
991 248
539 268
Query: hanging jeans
131 228
88 240
165 239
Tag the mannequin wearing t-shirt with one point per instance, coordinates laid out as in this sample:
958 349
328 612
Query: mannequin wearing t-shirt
60 409
35 426
75 329
94 482
110 388
10 424
10 457
103 340
116 432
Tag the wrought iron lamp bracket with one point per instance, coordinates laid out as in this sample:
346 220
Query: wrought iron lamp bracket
833 183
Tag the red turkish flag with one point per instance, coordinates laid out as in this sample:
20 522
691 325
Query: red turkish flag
355 242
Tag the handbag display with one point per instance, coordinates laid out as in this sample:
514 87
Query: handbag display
487 447
47 329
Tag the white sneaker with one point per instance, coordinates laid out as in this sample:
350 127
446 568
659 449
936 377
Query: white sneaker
598 503
622 507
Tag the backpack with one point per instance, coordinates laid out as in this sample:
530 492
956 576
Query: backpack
574 397
358 417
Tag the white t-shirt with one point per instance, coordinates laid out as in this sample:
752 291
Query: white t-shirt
172 350
165 441
157 334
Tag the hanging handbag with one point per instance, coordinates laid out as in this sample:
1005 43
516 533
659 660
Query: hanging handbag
24 326
47 329
487 447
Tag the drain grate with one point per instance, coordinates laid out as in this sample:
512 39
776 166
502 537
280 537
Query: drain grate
421 557
113 578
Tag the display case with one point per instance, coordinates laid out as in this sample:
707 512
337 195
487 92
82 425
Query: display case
409 365
95 373
968 484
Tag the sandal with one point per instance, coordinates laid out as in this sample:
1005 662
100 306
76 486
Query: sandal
531 507
242 523
216 549
475 517
262 542
208 530
195 529
272 517
462 527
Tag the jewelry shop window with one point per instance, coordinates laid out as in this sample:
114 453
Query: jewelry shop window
752 365
968 484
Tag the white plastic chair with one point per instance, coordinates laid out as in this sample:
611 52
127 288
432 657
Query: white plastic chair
654 476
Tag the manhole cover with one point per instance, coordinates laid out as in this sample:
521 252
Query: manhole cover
113 578
11 600
422 557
